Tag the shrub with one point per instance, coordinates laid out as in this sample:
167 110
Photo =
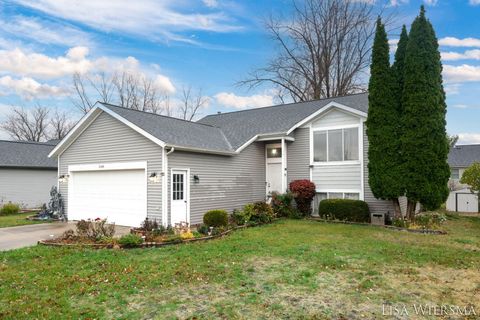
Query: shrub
130 240
216 218
150 225
282 204
9 208
239 218
203 229
430 220
94 230
303 192
263 212
344 209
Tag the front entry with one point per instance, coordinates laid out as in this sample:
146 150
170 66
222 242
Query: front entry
179 197
274 168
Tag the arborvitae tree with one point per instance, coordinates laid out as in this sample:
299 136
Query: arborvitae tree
424 142
382 125
398 68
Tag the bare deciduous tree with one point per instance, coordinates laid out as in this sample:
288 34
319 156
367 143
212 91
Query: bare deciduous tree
127 89
191 103
60 124
23 125
324 50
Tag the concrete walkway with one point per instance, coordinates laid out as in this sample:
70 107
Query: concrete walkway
29 235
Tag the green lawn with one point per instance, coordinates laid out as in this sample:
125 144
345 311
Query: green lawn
289 269
17 220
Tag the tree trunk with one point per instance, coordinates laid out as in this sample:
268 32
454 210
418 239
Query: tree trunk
397 213
411 209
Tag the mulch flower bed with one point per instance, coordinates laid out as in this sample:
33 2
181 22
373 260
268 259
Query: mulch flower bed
95 245
422 231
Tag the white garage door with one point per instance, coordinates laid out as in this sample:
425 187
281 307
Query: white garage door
117 195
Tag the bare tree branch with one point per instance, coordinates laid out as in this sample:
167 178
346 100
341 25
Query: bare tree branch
324 50
23 125
191 103
60 125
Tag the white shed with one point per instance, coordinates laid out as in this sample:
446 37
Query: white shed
462 201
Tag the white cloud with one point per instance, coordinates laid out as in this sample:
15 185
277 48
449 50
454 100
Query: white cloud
164 84
455 42
430 2
156 20
44 32
395 3
18 62
460 106
231 100
474 2
468 138
211 3
467 55
393 45
462 73
452 88
28 88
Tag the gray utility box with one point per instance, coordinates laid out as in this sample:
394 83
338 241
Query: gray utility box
378 219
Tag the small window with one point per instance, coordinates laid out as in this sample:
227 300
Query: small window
350 139
455 174
177 187
352 196
320 146
274 152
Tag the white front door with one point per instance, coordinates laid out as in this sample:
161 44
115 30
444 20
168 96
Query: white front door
179 198
274 168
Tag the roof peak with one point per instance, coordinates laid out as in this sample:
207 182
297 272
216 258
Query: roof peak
283 104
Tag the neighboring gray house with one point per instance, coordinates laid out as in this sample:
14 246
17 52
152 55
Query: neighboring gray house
460 158
26 173
126 165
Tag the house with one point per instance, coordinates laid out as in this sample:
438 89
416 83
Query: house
461 198
26 173
126 165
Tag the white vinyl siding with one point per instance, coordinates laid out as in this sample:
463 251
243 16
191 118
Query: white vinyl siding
28 188
107 140
298 156
335 118
332 177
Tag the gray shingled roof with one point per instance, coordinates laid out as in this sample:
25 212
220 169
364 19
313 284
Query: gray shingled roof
464 155
226 132
26 155
241 126
175 131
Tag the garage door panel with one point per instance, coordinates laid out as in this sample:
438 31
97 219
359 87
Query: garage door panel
117 195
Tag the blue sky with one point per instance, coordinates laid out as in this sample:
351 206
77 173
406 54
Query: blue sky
209 44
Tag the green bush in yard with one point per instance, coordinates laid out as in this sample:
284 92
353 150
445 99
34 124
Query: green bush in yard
216 218
130 240
345 210
9 208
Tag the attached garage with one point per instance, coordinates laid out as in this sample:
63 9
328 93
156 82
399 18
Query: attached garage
117 192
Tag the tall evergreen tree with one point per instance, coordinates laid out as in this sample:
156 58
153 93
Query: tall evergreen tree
382 125
424 142
398 68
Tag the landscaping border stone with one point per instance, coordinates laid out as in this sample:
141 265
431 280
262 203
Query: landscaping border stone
421 231
143 245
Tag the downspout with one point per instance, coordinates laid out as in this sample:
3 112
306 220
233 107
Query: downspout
165 186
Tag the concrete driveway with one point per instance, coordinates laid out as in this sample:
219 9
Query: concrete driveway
29 235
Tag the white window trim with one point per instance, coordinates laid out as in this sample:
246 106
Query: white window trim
342 191
336 163
187 190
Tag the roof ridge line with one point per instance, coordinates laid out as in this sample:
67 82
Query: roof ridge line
29 142
280 105
159 115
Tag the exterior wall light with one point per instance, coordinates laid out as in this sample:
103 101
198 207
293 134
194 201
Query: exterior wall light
63 178
196 179
154 177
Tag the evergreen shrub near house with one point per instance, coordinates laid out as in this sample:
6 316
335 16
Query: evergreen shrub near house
216 218
303 192
130 240
282 204
344 210
262 212
9 208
